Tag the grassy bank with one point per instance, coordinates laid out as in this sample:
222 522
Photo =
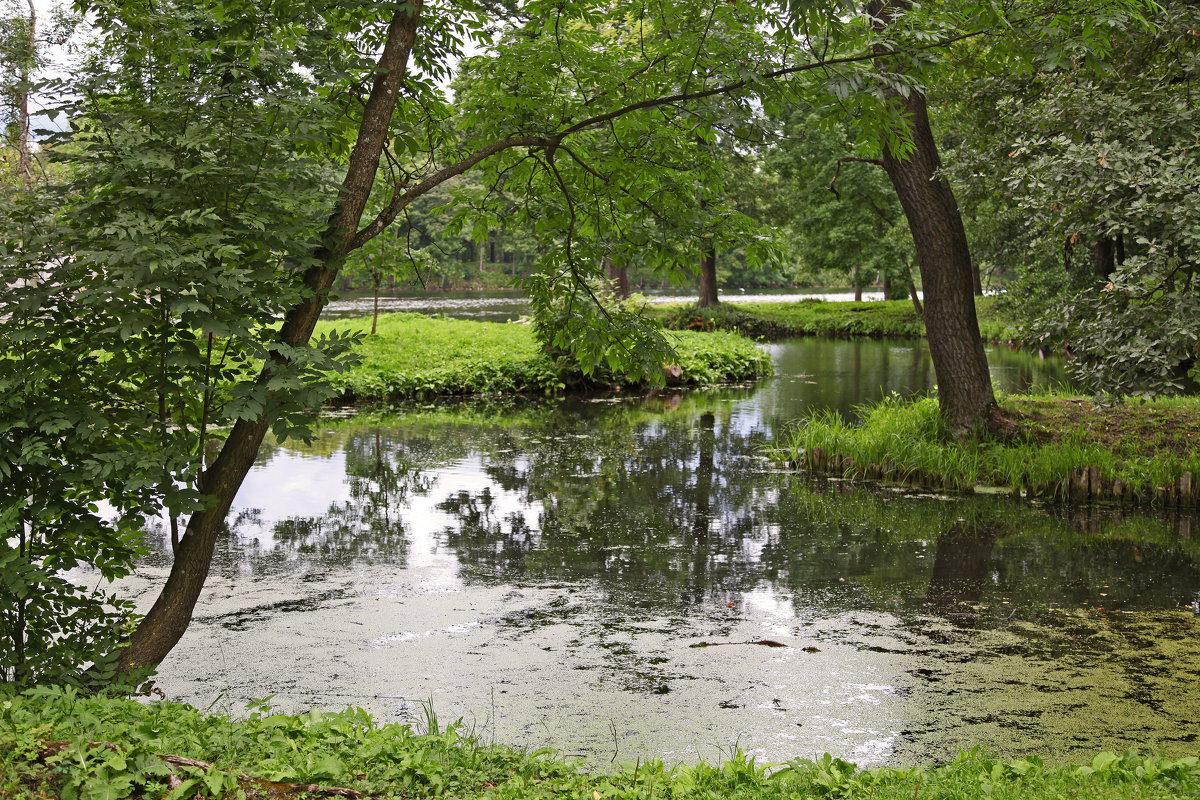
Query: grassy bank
1049 445
56 744
879 318
415 356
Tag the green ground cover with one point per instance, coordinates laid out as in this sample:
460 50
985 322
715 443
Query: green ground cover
415 356
55 743
878 318
1035 443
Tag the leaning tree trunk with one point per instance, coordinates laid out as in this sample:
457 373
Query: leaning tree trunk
166 621
964 384
708 276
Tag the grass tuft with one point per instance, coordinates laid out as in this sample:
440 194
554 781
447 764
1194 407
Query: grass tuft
1037 442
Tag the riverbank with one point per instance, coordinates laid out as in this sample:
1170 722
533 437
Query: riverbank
877 318
1050 446
55 743
415 356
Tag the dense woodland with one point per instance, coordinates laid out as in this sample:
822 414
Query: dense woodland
178 177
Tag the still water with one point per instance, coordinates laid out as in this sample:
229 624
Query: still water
626 579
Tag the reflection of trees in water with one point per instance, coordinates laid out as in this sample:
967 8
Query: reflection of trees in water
658 503
664 509
918 554
961 564
649 506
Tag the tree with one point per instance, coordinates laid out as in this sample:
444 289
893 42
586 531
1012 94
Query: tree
839 208
1097 158
19 56
964 383
891 108
24 42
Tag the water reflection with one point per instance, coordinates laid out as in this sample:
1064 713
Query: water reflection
546 570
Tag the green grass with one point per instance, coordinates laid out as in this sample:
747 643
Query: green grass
1143 445
414 356
880 318
55 743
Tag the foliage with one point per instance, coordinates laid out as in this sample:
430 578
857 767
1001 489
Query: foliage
143 296
839 214
1039 455
417 356
805 318
26 39
113 748
1097 157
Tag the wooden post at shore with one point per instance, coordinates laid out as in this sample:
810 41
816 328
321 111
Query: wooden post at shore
1077 486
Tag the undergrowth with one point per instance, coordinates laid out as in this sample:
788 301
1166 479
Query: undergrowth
56 743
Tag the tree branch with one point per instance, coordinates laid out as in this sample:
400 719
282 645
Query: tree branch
838 172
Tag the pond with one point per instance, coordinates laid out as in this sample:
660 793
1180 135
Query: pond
625 579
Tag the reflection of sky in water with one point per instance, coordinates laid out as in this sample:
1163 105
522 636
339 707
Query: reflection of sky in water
293 484
548 579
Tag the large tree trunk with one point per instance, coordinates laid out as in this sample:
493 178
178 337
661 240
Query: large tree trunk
166 621
964 384
708 277
618 278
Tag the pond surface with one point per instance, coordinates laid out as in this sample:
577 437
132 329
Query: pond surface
610 577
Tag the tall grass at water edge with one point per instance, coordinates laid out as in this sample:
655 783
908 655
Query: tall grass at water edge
906 441
815 317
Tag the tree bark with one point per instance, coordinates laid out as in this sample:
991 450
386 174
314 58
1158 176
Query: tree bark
708 277
24 153
916 300
162 627
618 277
1104 258
944 259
